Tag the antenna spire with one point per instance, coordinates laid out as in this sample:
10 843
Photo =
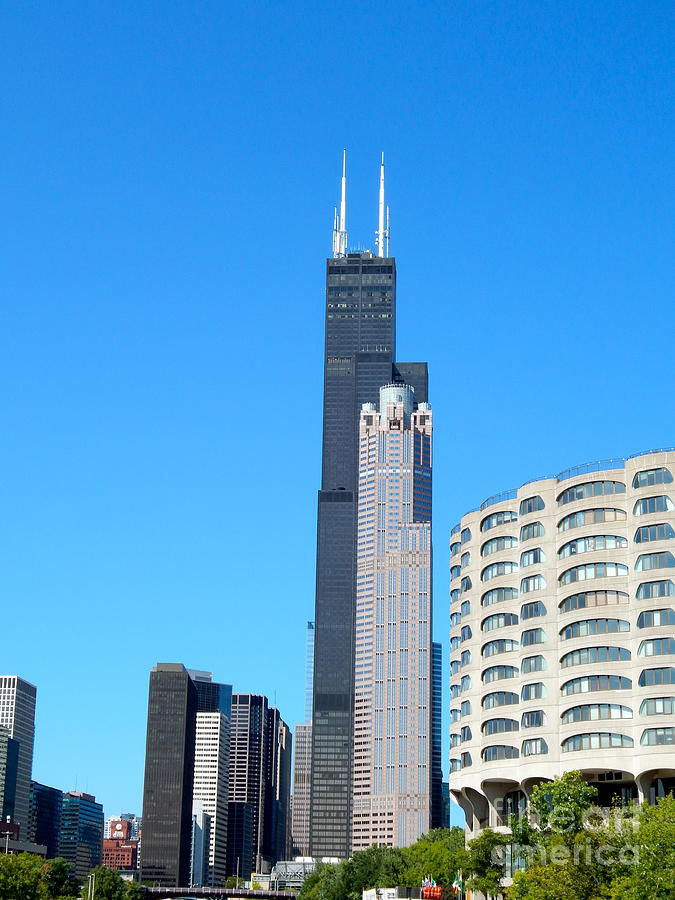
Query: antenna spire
340 224
382 233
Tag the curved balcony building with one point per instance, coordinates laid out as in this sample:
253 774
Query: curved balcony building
562 612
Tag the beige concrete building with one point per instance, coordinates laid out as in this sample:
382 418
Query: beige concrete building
562 604
391 791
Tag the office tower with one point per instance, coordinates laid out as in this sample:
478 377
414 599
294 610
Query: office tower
45 817
211 780
563 637
17 715
9 767
359 356
393 674
169 776
240 861
437 735
302 760
81 835
260 758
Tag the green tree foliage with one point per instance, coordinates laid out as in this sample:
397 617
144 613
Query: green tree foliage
59 879
562 804
652 874
109 884
484 863
21 877
439 854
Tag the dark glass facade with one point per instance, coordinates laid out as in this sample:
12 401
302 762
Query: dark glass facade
240 839
45 817
358 360
9 767
436 736
169 776
81 835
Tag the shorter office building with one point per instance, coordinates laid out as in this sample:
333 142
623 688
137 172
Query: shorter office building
9 763
44 821
120 854
81 836
240 839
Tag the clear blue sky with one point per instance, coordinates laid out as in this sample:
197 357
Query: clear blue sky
168 176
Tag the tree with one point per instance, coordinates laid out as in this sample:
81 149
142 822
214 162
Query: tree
439 854
484 862
133 891
58 879
562 804
21 877
108 884
652 874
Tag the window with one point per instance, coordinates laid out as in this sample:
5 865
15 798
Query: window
532 664
497 569
534 747
494 545
455 765
656 617
466 760
454 643
498 518
455 572
532 557
589 599
593 626
465 734
465 608
534 691
596 741
594 542
499 698
531 504
649 477
591 517
535 718
658 706
465 633
662 532
591 712
589 683
465 658
532 583
533 636
465 682
465 708
587 655
454 595
496 673
652 504
455 547
454 666
591 489
498 595
499 751
455 619
533 530
647 561
593 570
650 589
465 560
455 740
657 647
532 610
498 726
503 645
454 716
465 584
657 736
455 691
649 677
499 620
465 535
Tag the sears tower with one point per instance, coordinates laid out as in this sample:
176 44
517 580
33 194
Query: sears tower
360 353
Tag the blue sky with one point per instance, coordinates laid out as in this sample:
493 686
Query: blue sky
168 177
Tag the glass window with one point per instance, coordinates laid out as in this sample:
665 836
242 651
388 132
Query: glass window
531 504
647 561
494 545
658 706
591 517
455 572
465 734
499 751
532 583
661 532
652 504
455 547
465 535
593 542
503 645
465 633
498 518
466 760
590 655
653 618
455 765
465 708
532 557
650 589
465 682
534 747
497 673
593 570
657 647
596 741
649 677
591 489
498 620
454 595
499 698
535 718
591 712
533 636
465 560
534 691
454 666
498 595
455 619
465 608
532 610
657 736
593 626
589 683
648 477
465 658
455 740
589 599
454 716
533 530
498 726
495 570
533 664
465 584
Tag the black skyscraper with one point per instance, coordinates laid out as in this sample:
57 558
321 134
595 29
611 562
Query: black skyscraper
169 776
359 359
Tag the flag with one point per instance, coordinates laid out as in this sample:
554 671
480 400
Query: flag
457 883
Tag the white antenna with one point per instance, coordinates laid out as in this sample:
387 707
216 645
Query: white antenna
340 226
382 233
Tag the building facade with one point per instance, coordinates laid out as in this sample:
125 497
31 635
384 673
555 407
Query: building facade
45 817
17 715
9 768
393 672
437 805
359 357
563 637
81 834
302 760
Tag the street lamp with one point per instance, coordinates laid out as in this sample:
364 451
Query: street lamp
6 835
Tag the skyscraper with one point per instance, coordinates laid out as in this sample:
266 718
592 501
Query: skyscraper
302 760
17 715
81 834
393 673
45 817
437 806
9 766
359 358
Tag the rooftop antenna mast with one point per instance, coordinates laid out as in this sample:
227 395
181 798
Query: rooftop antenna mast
340 223
382 233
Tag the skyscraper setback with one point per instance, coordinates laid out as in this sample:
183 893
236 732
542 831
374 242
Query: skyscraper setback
359 358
